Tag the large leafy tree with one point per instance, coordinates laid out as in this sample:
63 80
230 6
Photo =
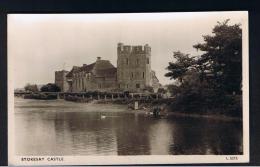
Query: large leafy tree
221 61
220 64
207 81
179 68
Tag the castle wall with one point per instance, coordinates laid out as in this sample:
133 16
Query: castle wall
89 82
133 67
82 81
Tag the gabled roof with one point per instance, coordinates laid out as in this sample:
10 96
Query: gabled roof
86 68
109 72
74 68
154 77
103 64
102 68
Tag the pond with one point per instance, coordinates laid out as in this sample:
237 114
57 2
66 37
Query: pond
58 127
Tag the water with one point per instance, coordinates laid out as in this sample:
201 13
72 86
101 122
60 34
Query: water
65 128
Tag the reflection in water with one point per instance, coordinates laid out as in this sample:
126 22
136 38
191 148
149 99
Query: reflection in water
132 135
65 128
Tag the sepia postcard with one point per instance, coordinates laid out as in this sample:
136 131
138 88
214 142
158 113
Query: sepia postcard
128 88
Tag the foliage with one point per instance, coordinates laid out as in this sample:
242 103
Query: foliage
50 87
161 90
208 82
179 68
222 57
31 87
173 89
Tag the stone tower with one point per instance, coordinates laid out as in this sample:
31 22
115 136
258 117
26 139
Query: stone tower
133 67
60 80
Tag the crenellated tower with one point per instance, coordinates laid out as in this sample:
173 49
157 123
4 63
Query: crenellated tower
133 67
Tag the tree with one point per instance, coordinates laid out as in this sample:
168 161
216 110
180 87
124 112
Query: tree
50 87
221 62
179 68
173 89
161 90
31 87
205 83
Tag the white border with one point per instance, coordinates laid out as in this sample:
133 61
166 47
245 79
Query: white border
151 159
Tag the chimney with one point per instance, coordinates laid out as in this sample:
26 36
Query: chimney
98 58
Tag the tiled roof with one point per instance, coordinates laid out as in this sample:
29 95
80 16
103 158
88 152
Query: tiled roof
109 72
103 64
72 71
102 68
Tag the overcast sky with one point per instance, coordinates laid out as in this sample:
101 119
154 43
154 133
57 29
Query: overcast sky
40 44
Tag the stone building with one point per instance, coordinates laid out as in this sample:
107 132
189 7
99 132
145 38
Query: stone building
155 82
133 72
100 75
134 67
61 81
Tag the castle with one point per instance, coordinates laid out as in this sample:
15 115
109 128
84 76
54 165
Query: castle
133 73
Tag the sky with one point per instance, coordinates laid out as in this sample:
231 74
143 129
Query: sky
40 44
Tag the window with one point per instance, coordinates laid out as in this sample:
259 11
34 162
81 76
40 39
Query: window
147 59
132 76
127 62
82 83
137 85
126 85
143 74
99 85
137 61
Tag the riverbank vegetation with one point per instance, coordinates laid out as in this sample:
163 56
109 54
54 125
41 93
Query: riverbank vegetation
31 91
210 83
40 96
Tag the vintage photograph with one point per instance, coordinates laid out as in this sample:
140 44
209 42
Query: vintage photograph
132 88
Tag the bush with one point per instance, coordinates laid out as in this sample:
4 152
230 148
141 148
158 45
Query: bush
50 87
205 100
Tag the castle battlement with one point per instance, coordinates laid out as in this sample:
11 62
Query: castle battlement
121 48
133 66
